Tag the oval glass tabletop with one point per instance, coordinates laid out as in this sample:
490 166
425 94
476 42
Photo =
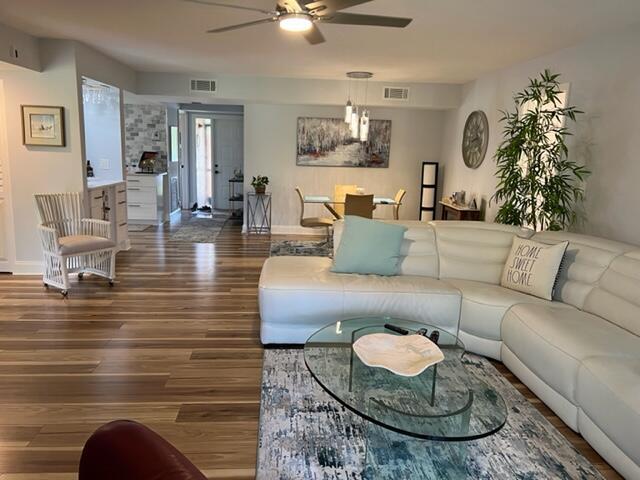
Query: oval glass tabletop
445 402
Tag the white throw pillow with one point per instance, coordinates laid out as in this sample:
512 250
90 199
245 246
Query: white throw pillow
532 267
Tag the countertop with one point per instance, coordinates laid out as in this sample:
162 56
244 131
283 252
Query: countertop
156 174
98 183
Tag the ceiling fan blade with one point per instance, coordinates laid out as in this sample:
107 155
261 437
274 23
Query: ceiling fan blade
216 4
314 36
371 20
327 7
291 6
241 25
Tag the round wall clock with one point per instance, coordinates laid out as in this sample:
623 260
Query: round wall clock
475 139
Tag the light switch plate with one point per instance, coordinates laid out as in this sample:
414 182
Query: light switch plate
105 164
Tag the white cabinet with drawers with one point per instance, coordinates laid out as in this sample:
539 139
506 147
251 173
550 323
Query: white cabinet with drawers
108 201
146 198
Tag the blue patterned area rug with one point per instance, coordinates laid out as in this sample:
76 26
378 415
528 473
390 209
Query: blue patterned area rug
306 434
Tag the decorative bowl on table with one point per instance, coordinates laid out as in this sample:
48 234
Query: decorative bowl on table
408 355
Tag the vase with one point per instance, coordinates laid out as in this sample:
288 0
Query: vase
260 190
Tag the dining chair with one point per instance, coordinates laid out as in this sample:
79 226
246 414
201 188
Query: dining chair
398 199
339 195
72 243
359 205
313 222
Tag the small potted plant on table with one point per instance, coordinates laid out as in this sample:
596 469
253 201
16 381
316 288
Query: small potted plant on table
259 184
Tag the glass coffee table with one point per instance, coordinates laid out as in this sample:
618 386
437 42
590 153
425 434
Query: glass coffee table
445 403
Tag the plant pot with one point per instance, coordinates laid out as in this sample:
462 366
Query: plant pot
260 190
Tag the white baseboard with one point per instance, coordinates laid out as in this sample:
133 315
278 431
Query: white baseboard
28 268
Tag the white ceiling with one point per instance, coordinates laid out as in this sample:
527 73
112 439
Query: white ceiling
448 41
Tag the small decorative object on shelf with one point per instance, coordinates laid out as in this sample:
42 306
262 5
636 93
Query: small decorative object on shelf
259 184
408 355
89 170
428 191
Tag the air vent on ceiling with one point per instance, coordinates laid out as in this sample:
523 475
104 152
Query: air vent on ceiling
396 93
206 86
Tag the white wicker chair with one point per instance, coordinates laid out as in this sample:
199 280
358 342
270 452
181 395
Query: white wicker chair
71 243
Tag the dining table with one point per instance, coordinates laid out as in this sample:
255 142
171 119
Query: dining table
327 201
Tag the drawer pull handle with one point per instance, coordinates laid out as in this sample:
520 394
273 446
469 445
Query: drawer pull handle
134 205
133 188
121 191
98 198
122 202
133 181
122 224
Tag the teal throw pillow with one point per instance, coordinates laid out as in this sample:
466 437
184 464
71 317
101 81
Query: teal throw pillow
368 247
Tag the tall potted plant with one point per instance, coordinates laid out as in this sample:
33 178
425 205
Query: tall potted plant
538 185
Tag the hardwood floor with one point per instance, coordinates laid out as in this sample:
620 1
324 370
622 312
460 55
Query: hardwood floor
174 344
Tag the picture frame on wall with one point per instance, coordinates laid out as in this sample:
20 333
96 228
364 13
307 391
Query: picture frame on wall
43 126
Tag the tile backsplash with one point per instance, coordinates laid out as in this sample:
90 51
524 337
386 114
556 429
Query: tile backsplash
145 128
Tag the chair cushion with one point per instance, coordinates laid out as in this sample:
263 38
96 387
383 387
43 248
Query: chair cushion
369 247
552 342
76 244
609 394
484 306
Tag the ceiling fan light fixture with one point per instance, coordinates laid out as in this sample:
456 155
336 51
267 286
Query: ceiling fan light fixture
296 22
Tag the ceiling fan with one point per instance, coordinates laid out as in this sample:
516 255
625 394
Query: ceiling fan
304 15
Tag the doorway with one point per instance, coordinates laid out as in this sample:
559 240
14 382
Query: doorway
216 155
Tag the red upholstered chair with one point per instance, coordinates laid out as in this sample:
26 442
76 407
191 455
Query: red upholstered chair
126 450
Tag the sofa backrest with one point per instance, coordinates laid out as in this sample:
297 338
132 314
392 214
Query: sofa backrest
474 250
584 263
418 251
617 295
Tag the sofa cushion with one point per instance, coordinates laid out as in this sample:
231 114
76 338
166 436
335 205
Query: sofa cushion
474 250
609 394
584 263
418 253
368 247
484 306
299 295
617 296
552 342
77 244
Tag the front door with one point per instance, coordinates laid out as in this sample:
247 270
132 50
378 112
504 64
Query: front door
228 157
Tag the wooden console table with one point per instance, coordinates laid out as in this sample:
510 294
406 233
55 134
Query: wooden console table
456 212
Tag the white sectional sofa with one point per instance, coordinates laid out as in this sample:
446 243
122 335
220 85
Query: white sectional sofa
580 353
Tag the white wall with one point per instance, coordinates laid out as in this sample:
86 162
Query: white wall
41 169
270 149
245 89
26 46
604 74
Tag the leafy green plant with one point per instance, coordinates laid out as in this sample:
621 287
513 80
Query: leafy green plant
538 185
260 182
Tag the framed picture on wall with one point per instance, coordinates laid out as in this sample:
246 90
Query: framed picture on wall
43 126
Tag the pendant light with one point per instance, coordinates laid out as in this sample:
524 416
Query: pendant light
364 126
348 109
355 123
364 120
358 124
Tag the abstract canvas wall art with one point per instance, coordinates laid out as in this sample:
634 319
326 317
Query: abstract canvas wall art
327 142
